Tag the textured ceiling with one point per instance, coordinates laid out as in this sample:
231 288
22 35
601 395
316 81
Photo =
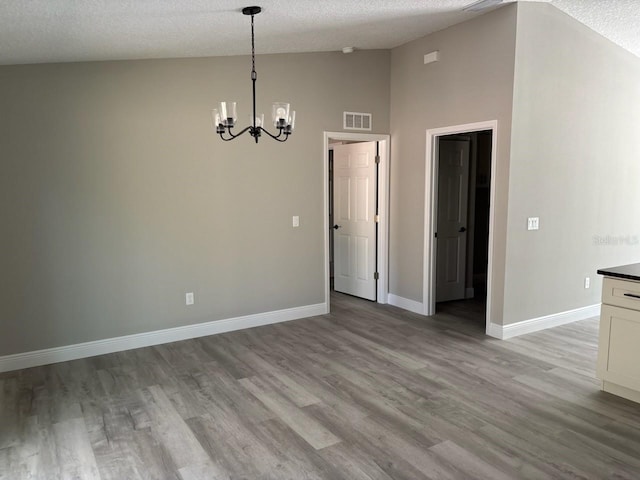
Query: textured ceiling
618 20
36 31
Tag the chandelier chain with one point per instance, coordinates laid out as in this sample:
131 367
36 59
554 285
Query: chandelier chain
253 49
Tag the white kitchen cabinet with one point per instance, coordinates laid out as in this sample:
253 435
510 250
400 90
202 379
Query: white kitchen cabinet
619 343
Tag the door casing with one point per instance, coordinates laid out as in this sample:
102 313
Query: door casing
383 208
431 205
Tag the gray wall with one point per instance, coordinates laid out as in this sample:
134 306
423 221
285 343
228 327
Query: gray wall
575 163
116 198
472 82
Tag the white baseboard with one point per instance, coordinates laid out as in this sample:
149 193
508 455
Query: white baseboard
494 330
535 324
405 303
157 337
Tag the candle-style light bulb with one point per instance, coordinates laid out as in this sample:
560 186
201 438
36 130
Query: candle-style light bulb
259 120
280 114
292 121
228 114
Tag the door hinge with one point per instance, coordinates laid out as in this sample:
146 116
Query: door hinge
377 159
435 234
376 276
376 218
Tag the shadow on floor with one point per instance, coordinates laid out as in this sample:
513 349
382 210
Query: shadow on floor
471 309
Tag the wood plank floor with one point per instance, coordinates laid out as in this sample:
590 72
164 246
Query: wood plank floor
367 392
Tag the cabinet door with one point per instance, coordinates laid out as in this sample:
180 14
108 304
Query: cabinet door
619 346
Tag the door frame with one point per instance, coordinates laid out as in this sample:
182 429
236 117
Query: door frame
382 287
431 209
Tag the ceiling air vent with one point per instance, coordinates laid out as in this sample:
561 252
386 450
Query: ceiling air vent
481 5
357 121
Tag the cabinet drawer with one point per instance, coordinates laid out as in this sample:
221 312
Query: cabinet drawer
621 293
619 347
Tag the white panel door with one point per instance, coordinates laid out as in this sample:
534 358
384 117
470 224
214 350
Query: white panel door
453 193
354 201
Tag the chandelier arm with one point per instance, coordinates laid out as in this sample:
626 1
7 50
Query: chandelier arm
276 137
280 130
232 136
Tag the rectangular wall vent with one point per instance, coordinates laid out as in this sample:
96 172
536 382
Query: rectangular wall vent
357 121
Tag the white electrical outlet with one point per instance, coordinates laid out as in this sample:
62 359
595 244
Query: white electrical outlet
295 221
587 282
533 223
189 298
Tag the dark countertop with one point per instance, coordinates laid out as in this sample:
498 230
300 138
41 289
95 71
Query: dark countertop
630 272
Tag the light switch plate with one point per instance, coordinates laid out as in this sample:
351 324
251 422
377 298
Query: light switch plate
296 221
533 223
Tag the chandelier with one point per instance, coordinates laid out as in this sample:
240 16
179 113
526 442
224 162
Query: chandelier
225 116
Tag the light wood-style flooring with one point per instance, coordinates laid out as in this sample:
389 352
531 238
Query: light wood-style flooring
367 392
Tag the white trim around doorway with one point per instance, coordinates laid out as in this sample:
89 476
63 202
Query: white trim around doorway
383 210
430 209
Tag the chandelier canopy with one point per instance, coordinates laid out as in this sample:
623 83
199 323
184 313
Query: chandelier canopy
225 116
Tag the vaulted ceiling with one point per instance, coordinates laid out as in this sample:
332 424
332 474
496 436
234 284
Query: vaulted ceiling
37 31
